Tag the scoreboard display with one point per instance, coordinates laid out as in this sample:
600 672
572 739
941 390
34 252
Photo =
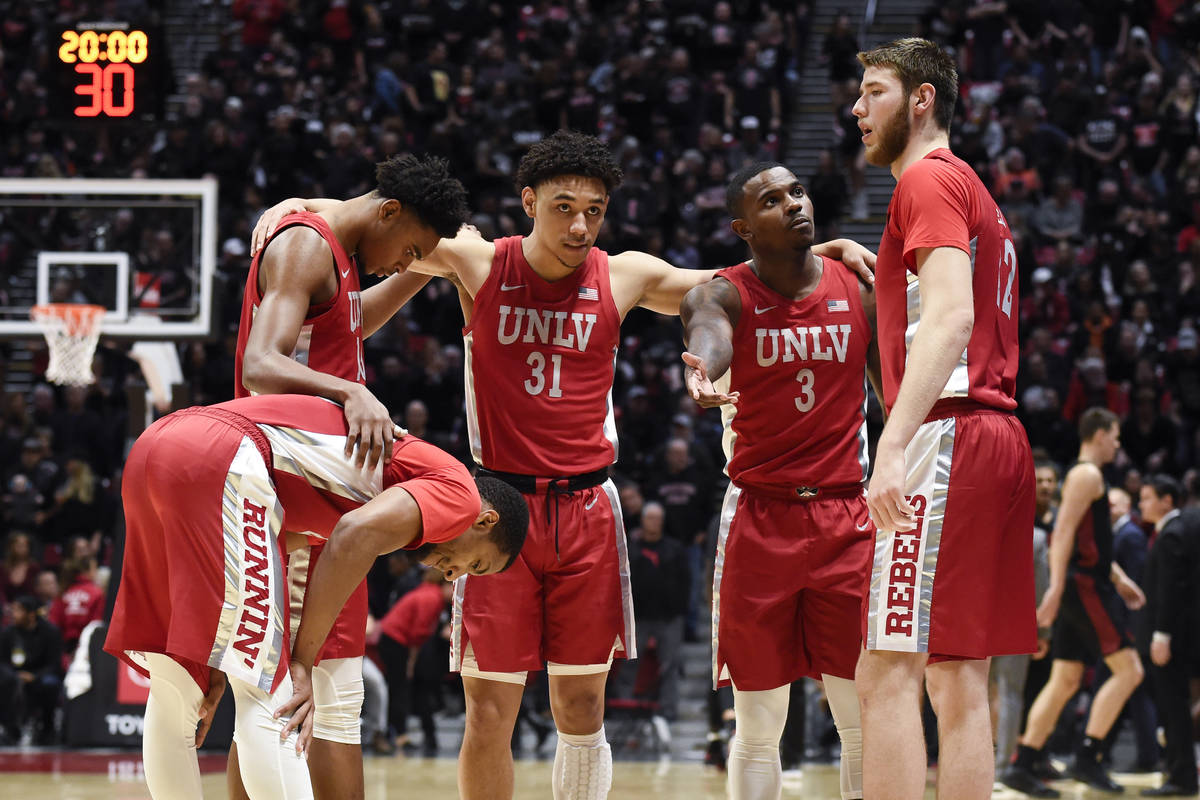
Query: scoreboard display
109 70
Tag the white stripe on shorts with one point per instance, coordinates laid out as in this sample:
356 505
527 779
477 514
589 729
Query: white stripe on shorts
614 500
456 624
248 643
728 507
905 563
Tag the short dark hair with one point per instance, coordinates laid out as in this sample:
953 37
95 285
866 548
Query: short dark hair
569 153
426 186
916 61
1046 463
509 533
735 190
1095 420
1166 486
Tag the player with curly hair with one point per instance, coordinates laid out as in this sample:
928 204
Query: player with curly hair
302 327
541 337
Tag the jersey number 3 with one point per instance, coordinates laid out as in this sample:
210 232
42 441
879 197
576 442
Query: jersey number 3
806 399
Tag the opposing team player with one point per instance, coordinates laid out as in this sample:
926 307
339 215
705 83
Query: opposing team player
952 486
1083 602
787 338
541 343
203 594
302 329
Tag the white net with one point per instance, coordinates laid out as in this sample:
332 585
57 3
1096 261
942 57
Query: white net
72 331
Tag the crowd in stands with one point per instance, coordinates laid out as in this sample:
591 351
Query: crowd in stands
1082 118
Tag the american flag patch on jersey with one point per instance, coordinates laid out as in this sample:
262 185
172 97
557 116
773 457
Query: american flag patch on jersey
837 305
589 293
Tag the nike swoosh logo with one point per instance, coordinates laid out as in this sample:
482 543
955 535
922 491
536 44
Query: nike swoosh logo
862 527
504 287
588 506
758 310
345 273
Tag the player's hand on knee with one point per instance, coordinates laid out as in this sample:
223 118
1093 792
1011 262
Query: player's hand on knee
370 429
208 707
269 221
700 386
299 706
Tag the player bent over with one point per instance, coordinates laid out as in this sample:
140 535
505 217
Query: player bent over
790 335
209 494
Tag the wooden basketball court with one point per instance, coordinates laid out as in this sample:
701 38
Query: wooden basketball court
72 775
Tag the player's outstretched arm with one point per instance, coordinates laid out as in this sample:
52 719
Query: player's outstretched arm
640 279
387 522
850 253
298 268
709 313
1081 487
381 301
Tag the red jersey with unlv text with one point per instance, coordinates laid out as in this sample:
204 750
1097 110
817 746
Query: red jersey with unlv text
800 366
331 339
539 367
940 202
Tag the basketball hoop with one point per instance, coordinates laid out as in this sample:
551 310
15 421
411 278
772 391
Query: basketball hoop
72 331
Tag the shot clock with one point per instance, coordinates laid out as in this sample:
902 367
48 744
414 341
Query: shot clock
110 70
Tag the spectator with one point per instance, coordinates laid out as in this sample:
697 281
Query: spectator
1060 216
30 672
1047 306
660 579
81 603
18 576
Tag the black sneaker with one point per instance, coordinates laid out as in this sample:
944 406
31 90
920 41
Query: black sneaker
1044 770
1024 781
1090 772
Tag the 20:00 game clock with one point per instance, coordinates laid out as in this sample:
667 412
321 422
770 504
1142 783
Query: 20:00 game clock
110 70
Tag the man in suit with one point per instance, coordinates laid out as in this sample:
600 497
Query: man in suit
1167 636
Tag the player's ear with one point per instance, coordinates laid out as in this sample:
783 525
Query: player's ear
389 209
741 228
487 519
528 200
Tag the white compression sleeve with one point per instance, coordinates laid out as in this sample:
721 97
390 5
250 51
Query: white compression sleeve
169 733
337 700
754 769
843 704
270 767
582 767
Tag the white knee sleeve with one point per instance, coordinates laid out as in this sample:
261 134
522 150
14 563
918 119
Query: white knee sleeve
169 735
337 700
270 768
843 704
582 767
754 769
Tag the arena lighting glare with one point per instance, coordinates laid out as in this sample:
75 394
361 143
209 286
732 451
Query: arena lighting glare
109 69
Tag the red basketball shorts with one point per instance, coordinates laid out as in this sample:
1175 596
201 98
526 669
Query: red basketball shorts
961 584
788 588
572 607
202 578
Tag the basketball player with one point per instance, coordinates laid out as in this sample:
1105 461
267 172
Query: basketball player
203 595
790 334
952 488
302 326
540 346
1083 604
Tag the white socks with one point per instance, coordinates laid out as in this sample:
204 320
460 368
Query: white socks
582 767
169 735
754 769
843 704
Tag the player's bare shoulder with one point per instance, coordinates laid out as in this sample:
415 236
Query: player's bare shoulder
1086 478
297 257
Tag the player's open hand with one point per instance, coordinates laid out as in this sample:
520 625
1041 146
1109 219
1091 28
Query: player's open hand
853 255
1131 593
370 429
300 707
1047 610
208 706
1160 651
269 221
890 511
700 387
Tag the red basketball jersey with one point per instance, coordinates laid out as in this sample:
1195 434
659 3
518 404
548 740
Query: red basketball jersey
331 339
940 202
539 367
801 369
315 482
